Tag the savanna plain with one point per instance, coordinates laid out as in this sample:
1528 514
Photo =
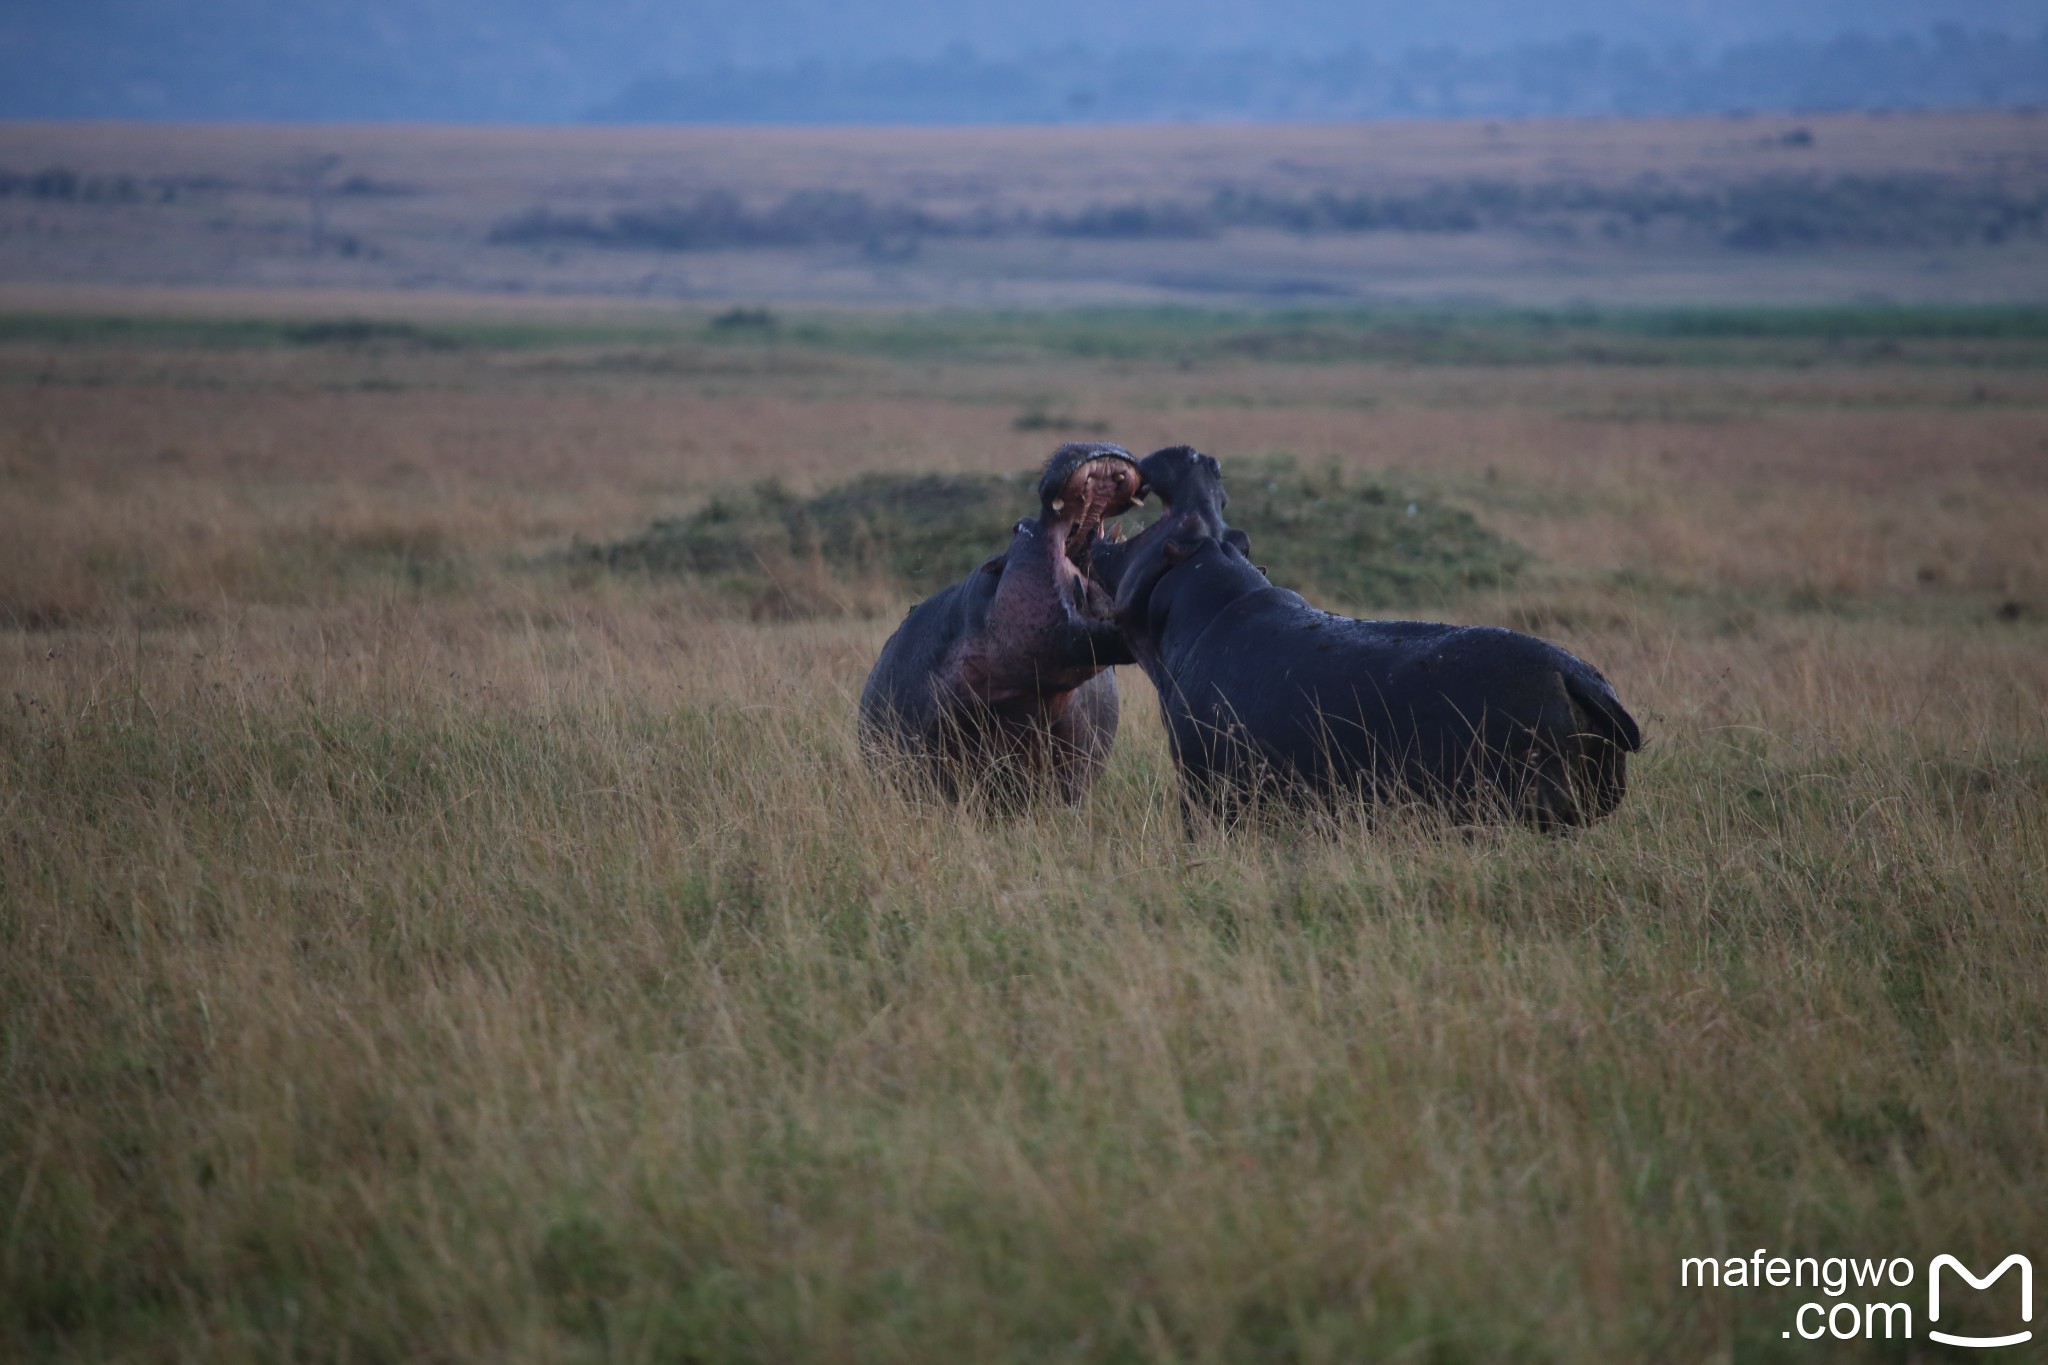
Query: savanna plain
422 938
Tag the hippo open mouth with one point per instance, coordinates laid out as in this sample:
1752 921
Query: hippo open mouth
1087 485
1008 676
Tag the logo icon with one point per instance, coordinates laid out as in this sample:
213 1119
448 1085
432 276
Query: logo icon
2026 1298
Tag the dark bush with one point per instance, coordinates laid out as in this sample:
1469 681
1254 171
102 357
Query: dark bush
54 183
719 219
1131 220
365 332
744 319
1773 213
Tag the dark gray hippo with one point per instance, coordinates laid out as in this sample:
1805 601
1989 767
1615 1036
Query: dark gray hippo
1266 697
998 686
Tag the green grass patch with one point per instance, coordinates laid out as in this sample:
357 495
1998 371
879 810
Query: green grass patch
1715 336
1169 334
1828 324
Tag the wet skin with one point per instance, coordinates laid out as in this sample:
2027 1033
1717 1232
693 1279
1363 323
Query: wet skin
998 686
1265 697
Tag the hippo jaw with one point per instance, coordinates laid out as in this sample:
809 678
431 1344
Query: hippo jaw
1189 483
1087 485
1048 624
1157 550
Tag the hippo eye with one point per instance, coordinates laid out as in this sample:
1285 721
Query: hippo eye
1024 527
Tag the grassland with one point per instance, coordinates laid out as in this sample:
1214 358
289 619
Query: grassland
418 942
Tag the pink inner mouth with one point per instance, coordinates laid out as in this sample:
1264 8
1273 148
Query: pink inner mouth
1098 490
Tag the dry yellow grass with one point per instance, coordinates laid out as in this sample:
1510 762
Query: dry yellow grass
413 949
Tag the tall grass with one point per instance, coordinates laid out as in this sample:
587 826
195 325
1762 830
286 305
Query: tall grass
522 967
457 996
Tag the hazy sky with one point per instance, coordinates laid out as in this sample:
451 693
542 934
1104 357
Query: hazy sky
548 59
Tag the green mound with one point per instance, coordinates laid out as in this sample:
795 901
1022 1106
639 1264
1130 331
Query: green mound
925 530
1341 539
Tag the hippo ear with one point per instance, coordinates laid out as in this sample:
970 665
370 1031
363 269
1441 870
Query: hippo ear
995 565
1238 541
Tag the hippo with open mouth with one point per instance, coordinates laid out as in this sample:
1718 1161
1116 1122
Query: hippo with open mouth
1264 696
998 686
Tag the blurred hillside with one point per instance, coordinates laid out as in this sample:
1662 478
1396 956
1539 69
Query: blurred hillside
1816 208
1944 68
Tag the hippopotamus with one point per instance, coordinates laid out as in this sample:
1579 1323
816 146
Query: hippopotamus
1000 685
1265 697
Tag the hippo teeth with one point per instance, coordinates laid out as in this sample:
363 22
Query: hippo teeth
1102 487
